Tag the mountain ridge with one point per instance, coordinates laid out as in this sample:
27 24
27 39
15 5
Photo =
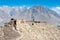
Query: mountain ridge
36 13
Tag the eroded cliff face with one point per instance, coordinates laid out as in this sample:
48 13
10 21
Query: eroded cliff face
29 30
8 31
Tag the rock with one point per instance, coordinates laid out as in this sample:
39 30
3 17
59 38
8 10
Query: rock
29 30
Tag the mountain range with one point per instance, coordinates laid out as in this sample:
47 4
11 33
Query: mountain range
34 13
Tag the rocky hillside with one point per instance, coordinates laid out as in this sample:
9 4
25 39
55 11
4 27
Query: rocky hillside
28 30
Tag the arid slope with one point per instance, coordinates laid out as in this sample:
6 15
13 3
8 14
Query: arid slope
29 30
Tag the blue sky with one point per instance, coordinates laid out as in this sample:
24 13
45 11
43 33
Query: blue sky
47 3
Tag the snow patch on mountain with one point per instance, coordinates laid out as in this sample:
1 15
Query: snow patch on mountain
57 9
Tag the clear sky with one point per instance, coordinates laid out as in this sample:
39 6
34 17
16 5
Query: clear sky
48 3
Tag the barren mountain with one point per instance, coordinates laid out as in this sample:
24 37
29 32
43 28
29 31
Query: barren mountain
29 30
36 13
